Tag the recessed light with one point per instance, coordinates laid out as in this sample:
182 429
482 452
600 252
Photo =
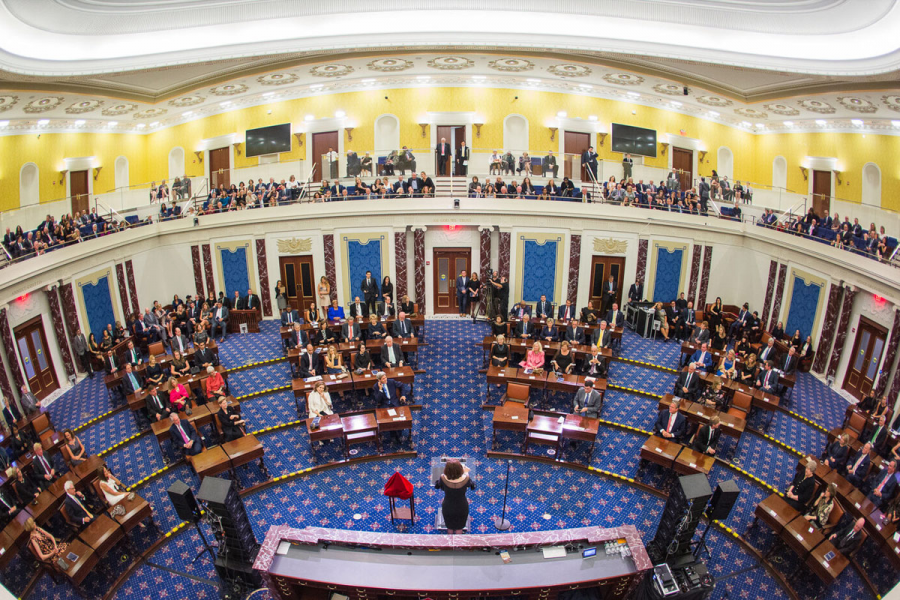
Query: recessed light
141 125
267 94
586 86
759 125
788 123
43 121
745 123
634 94
423 77
80 122
562 114
4 123
857 122
592 118
821 122
154 123
478 77
187 113
339 114
532 80
224 104
308 118
713 113
113 123
368 80
676 103
316 86
895 123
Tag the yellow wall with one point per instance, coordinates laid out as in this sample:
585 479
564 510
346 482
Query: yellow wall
148 153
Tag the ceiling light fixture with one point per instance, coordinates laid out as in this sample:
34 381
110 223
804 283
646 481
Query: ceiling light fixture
80 122
745 123
113 123
268 94
316 86
676 103
224 104
562 114
339 114
4 123
308 118
586 86
154 123
592 118
895 123
788 123
821 122
187 113
423 77
532 80
141 125
857 122
713 113
478 77
369 80
43 121
634 94
759 125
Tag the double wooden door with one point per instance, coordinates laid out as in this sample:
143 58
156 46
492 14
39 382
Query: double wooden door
574 144
448 262
866 358
299 280
454 134
683 165
31 343
601 268
220 167
321 143
79 191
821 195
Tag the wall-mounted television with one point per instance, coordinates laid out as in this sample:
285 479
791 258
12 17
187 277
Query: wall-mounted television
633 140
268 140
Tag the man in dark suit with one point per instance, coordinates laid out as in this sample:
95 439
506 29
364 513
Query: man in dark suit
369 289
11 412
386 308
8 507
389 393
290 316
700 334
350 331
462 295
877 435
520 310
184 436
110 363
601 336
204 357
414 186
238 303
462 159
74 503
636 292
251 301
609 293
309 363
298 337
543 308
131 381
566 312
689 321
549 166
703 189
575 332
858 466
442 153
702 359
848 538
589 160
133 355
594 364
790 361
391 355
157 404
884 486
403 327
615 317
688 383
670 424
524 329
767 380
179 342
359 309
740 322
219 321
44 471
707 437
767 352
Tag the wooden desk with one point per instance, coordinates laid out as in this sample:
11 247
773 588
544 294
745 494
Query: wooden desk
330 427
401 420
698 413
137 401
245 450
544 430
511 416
8 550
236 318
87 560
360 429
211 462
15 529
689 461
801 537
101 534
775 512
859 505
161 428
660 451
577 428
136 511
47 504
499 376
826 570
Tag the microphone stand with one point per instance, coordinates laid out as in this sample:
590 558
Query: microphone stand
501 523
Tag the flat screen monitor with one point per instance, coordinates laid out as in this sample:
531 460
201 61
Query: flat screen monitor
268 140
633 140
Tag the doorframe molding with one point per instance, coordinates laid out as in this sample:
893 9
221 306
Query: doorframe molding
849 368
38 319
434 251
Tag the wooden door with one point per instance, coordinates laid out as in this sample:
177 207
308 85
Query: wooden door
299 280
601 268
574 144
866 358
220 167
459 135
79 191
821 196
448 262
445 132
683 164
321 142
31 343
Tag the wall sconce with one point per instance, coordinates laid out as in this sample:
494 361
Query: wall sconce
665 146
837 175
199 155
349 131
237 148
553 131
702 154
62 176
478 129
423 126
299 137
96 172
805 172
601 137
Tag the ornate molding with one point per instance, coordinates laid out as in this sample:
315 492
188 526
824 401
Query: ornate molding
610 246
295 245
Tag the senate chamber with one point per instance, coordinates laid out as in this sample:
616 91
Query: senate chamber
537 300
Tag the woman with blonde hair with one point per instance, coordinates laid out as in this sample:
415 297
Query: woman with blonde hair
324 293
534 359
42 543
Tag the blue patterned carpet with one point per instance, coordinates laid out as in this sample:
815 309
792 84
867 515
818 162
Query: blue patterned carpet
452 422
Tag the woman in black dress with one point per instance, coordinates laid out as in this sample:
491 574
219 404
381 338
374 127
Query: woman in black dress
363 359
498 327
473 290
802 488
564 361
500 352
387 288
455 507
229 421
715 314
719 338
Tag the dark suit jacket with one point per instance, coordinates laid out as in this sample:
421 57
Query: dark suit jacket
837 453
543 308
178 441
575 335
706 438
108 366
561 312
375 329
25 489
803 487
309 364
620 319
550 332
398 355
408 307
39 471
443 147
788 364
514 311
662 421
204 356
369 290
324 336
362 312
129 387
844 542
294 315
153 409
889 489
351 331
524 330
692 387
878 442
609 289
601 339
402 329
602 367
395 390
863 466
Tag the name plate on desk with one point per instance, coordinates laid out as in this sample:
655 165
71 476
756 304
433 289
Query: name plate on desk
399 418
799 537
554 552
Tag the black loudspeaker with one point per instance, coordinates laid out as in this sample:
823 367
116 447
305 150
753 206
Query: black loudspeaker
683 511
183 500
723 500
228 518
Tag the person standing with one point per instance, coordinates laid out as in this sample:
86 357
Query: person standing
462 296
627 164
280 296
609 294
80 346
369 289
462 159
474 290
442 152
589 160
455 482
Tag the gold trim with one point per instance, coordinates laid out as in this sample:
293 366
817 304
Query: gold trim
541 239
93 279
295 245
610 246
807 279
363 238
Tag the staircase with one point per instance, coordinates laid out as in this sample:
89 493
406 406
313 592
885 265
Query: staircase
595 190
451 186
